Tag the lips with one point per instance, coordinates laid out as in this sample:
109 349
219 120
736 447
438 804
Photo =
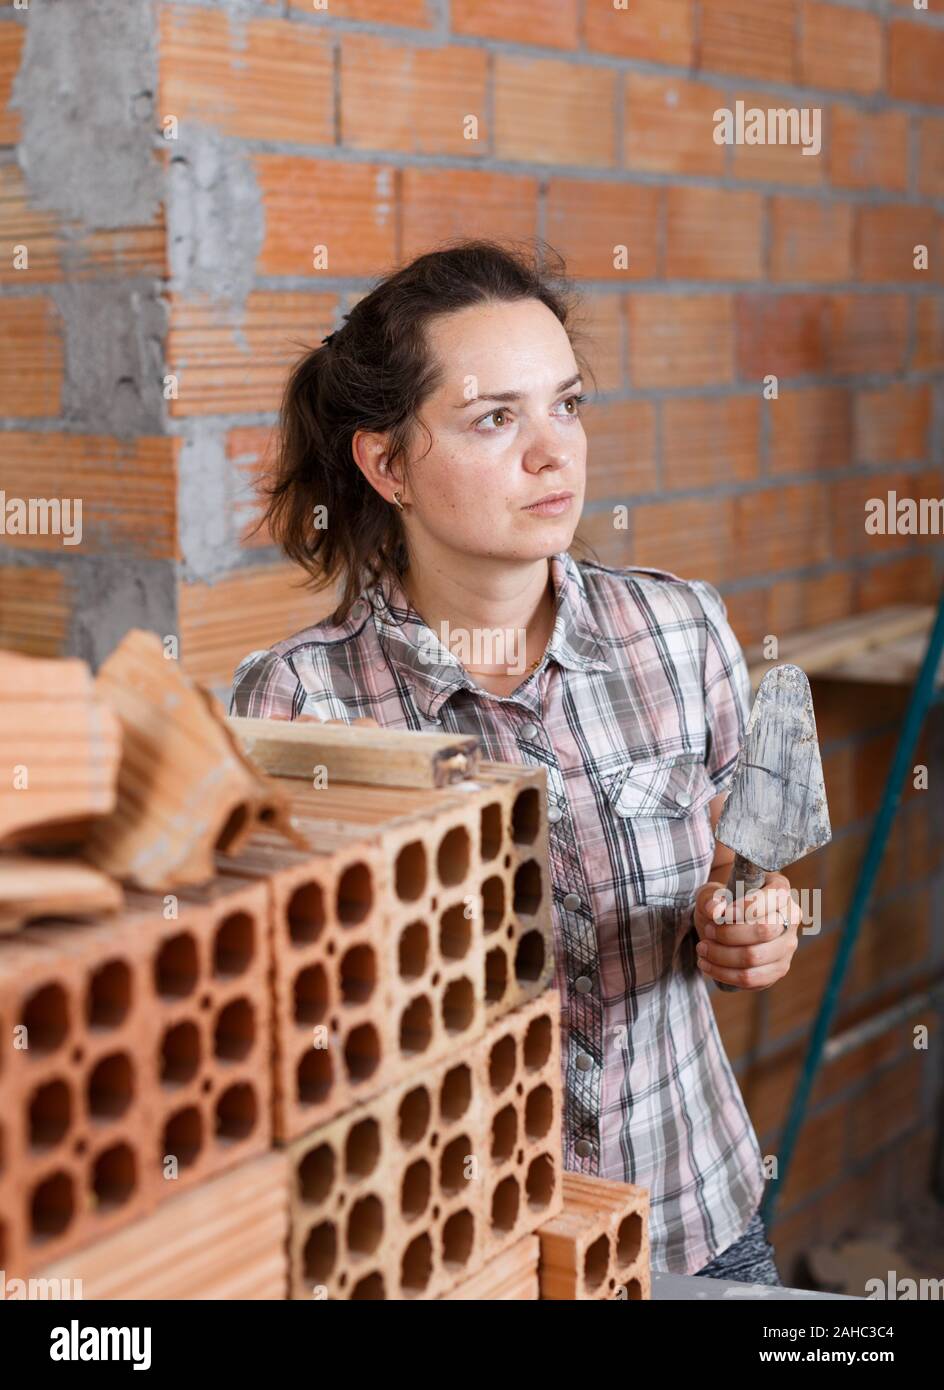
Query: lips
554 502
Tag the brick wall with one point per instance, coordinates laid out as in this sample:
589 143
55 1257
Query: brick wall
171 281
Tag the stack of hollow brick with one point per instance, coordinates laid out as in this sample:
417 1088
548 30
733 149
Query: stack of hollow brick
332 1070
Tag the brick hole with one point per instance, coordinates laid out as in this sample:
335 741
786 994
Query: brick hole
355 894
538 1041
320 1252
436 979
315 1174
596 1262
206 1002
413 951
527 888
314 1076
416 1267
455 1094
612 1284
111 1086
539 1182
415 1190
180 1054
506 1202
362 1052
491 830
305 913
265 814
114 1176
458 1239
502 1061
530 958
496 975
633 1290
235 1033
452 1164
628 1239
453 856
310 994
414 1115
493 903
362 1149
237 1111
52 1206
108 998
358 974
365 1225
234 944
233 827
526 817
46 1016
504 1133
206 1086
410 872
370 1288
539 1112
416 1026
79 1147
520 1157
458 1006
183 1136
455 933
507 861
176 967
50 1114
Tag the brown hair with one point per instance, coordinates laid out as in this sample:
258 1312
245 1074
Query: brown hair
374 373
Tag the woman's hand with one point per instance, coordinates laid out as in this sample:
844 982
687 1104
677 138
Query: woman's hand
749 943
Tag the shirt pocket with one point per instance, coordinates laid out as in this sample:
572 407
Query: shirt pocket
663 806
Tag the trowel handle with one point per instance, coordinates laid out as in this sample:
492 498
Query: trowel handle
752 877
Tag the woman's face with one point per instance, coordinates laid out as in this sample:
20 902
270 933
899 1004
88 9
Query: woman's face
506 430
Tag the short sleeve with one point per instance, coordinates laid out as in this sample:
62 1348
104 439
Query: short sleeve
727 688
266 687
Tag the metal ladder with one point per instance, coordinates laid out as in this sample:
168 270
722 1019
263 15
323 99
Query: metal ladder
924 695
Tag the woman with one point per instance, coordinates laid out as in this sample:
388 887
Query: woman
432 460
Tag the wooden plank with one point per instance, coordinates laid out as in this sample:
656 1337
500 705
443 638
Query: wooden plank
821 650
375 757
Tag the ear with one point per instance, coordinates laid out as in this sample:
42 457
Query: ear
370 454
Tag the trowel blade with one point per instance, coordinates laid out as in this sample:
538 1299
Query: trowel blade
776 811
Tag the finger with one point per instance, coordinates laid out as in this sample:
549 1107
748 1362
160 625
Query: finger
747 957
752 977
761 915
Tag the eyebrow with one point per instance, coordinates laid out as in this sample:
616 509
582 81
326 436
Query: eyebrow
514 395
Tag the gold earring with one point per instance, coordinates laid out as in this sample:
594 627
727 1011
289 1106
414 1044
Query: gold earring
398 500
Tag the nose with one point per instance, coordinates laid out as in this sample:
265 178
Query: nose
546 449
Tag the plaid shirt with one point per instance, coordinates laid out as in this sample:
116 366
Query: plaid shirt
637 712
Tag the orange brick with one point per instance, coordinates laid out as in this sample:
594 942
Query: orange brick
606 545
915 62
12 37
599 332
929 333
868 149
692 537
785 528
891 424
31 358
810 240
885 242
931 156
513 20
868 332
840 47
889 1105
416 100
554 112
782 163
669 125
794 1008
800 603
36 608
261 79
659 31
781 334
438 204
810 431
705 441
743 37
909 580
250 450
348 208
714 234
412 14
849 500
621 449
818 1157
681 340
588 221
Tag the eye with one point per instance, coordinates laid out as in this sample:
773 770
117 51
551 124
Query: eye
492 414
576 401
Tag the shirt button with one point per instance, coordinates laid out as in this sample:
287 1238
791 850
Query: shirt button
554 814
528 731
583 1061
683 798
571 901
583 984
583 1148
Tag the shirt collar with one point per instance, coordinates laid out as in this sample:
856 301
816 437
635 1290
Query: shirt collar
434 672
